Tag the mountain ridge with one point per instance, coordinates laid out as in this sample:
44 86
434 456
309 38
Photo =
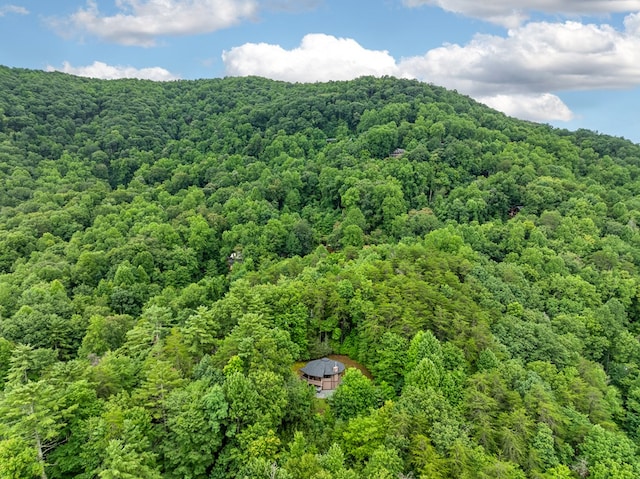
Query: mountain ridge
168 250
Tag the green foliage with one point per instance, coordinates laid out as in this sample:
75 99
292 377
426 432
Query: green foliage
168 250
18 460
104 334
34 412
123 461
195 408
354 396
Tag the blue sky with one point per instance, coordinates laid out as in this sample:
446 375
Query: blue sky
572 63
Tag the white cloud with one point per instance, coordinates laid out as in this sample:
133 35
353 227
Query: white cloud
511 13
5 9
516 73
141 22
536 58
110 72
318 58
535 107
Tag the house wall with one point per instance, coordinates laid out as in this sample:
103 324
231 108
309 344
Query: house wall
326 383
331 382
313 381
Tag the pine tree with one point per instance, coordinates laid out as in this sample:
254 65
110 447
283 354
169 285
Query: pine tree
30 410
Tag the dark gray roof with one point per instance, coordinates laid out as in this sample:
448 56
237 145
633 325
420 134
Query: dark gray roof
322 367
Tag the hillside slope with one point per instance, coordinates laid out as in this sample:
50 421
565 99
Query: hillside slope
168 250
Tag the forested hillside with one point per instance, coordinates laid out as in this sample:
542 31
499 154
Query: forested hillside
169 250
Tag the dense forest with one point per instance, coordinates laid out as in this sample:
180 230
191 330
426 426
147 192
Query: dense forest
169 250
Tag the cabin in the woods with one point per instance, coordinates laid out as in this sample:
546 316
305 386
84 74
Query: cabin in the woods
324 374
397 153
234 257
514 210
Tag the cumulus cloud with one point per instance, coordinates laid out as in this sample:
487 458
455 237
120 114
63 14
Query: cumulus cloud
535 107
318 58
6 9
111 72
516 73
511 13
141 22
537 58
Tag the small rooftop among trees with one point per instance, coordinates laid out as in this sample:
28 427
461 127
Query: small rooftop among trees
324 374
